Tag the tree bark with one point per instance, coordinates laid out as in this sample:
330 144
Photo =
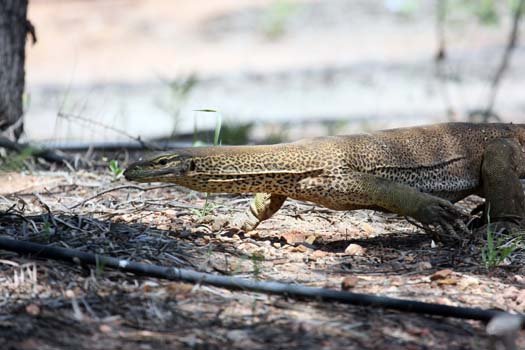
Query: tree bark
14 27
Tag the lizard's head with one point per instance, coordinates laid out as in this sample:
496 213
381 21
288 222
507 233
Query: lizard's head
163 168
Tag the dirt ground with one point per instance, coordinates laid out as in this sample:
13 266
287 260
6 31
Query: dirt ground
53 305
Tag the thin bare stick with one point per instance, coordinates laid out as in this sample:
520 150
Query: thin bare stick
109 127
505 60
133 187
440 57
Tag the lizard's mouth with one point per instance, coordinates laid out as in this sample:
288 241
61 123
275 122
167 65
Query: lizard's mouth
139 174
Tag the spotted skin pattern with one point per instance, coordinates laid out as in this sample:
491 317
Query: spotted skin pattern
413 171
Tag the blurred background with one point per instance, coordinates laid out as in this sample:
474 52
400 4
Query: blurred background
272 70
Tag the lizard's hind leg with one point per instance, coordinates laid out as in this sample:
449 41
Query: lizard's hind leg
503 165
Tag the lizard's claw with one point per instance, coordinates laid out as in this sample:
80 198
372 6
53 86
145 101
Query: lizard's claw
447 219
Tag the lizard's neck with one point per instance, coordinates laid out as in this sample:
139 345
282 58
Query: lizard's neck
240 169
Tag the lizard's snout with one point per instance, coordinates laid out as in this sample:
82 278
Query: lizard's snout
128 173
133 171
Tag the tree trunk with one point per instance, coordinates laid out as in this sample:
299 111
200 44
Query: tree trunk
13 32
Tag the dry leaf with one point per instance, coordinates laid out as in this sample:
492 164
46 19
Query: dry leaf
441 274
349 282
452 281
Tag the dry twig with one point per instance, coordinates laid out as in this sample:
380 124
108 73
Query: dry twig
134 187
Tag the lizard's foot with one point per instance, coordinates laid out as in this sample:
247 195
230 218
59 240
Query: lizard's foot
448 221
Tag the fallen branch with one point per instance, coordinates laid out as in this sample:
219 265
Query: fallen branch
236 283
44 153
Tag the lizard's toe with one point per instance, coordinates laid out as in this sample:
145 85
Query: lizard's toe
449 222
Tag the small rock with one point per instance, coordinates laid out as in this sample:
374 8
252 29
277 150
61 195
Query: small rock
505 325
276 245
408 259
355 249
170 213
423 265
519 279
293 237
520 297
318 254
300 249
441 274
468 282
369 229
104 328
33 309
237 335
349 282
510 293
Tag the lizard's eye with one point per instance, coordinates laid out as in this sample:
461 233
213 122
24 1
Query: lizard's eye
163 161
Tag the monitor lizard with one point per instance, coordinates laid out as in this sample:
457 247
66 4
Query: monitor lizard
418 172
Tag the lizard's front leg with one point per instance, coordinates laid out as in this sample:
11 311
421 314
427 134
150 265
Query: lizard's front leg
367 191
408 201
503 166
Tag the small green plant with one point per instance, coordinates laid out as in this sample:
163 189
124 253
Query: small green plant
276 18
115 169
46 230
16 161
257 258
99 266
206 209
497 249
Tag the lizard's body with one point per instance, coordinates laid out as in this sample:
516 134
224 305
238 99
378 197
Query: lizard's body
407 171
